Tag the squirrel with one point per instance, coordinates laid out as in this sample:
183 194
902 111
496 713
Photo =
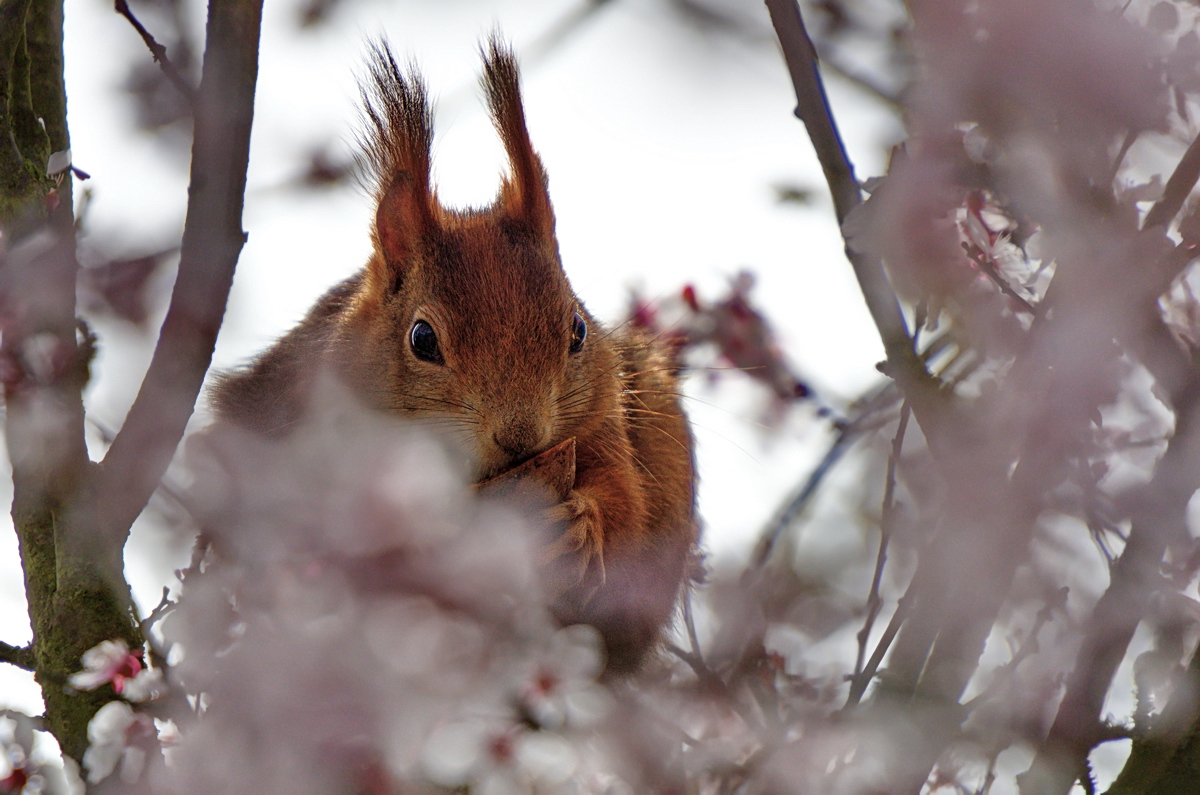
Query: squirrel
467 317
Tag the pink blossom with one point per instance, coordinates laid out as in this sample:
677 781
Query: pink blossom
110 661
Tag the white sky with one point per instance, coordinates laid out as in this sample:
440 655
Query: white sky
662 143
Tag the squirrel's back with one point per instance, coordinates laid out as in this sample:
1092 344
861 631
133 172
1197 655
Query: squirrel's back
268 396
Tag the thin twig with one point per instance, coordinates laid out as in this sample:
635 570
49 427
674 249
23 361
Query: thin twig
160 54
874 601
858 684
20 656
165 605
1029 646
1126 144
712 683
707 676
989 777
690 623
988 266
847 434
562 29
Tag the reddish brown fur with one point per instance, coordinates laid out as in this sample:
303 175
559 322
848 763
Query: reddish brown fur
491 285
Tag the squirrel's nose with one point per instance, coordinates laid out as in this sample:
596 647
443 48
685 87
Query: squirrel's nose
519 439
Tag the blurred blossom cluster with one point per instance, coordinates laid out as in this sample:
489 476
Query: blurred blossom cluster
356 616
730 333
21 770
357 619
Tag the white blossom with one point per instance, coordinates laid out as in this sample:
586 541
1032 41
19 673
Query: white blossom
112 734
497 757
560 688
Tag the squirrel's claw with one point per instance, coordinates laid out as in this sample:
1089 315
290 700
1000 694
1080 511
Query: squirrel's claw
580 548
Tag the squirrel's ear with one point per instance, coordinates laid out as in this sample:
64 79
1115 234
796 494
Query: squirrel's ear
524 194
397 145
401 222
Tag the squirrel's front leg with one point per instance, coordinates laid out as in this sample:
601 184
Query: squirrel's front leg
576 557
602 514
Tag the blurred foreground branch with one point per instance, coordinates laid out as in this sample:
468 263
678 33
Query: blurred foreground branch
72 517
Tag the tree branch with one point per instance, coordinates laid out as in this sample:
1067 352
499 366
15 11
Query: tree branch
886 519
1161 761
212 241
18 179
160 54
812 108
1115 617
865 420
1178 186
20 656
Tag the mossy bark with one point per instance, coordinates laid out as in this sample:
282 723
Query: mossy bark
21 183
75 589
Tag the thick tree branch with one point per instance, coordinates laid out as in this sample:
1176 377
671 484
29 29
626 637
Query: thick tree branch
1161 760
212 240
18 175
47 95
1178 186
70 605
72 519
1161 513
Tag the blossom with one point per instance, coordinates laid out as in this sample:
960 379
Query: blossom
560 688
110 661
117 735
497 757
147 685
15 781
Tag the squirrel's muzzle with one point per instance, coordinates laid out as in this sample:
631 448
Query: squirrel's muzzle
521 437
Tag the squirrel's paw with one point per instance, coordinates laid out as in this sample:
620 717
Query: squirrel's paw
579 551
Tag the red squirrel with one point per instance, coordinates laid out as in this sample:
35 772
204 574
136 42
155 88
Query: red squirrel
466 317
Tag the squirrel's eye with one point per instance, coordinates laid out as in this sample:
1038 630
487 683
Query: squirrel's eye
425 343
578 334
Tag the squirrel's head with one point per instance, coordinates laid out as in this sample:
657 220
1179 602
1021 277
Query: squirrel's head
465 317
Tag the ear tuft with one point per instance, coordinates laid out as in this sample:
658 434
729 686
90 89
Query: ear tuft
524 193
396 149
